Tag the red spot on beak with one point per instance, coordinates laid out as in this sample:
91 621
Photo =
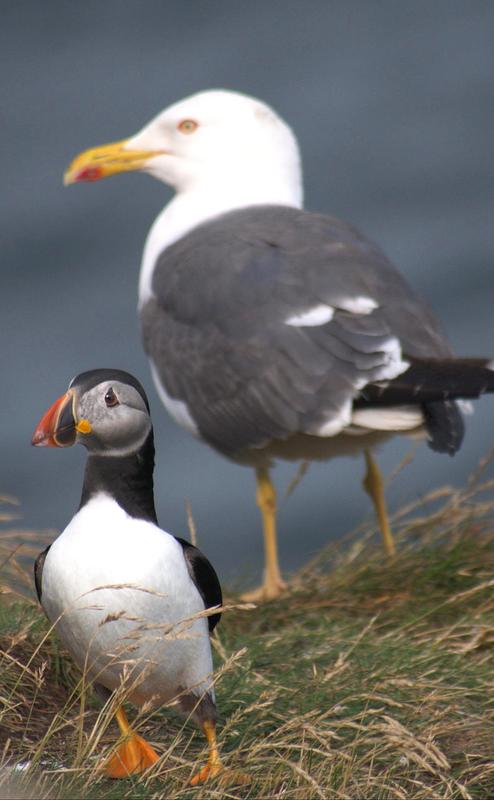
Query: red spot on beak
90 174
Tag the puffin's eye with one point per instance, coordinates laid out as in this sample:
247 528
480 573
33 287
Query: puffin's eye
187 126
111 398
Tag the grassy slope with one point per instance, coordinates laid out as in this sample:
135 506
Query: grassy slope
366 681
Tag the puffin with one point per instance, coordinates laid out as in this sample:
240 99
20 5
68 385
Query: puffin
273 331
133 604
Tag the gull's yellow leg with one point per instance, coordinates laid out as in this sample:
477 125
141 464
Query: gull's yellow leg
214 766
273 583
373 485
134 755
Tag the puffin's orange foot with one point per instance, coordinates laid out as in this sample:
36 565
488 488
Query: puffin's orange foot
208 771
132 757
269 590
228 777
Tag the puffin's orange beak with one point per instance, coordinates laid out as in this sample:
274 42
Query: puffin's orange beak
108 159
58 427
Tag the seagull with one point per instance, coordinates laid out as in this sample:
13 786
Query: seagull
127 599
272 331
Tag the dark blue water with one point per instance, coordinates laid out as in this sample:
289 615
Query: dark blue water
393 105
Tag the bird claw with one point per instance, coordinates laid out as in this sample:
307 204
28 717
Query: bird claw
208 771
228 777
269 590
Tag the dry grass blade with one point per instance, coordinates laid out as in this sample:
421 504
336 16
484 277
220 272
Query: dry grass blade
191 522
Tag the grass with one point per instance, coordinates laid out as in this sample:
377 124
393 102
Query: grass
369 680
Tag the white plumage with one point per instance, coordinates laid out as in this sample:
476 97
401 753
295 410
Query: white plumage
176 408
148 629
317 315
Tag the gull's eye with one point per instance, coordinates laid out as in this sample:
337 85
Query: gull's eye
111 398
187 126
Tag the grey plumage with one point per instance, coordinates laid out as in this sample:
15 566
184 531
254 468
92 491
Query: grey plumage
217 334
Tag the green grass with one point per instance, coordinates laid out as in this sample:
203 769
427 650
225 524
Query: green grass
368 680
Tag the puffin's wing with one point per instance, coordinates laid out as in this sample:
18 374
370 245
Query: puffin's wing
38 570
205 579
269 321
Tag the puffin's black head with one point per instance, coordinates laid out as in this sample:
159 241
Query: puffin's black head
104 409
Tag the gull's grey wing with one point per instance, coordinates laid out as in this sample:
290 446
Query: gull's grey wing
270 320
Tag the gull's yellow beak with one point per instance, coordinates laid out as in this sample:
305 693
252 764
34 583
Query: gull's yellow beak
108 159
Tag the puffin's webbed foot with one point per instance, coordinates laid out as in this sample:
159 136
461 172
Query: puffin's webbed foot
214 767
133 756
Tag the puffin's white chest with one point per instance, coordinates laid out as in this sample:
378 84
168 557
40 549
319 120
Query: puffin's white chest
120 595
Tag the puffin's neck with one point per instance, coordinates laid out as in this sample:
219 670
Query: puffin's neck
200 204
126 479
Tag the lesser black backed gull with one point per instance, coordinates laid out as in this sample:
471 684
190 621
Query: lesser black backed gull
273 331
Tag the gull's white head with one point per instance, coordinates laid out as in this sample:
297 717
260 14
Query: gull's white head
219 150
215 139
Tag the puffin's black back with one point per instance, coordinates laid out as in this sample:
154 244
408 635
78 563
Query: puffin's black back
204 577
